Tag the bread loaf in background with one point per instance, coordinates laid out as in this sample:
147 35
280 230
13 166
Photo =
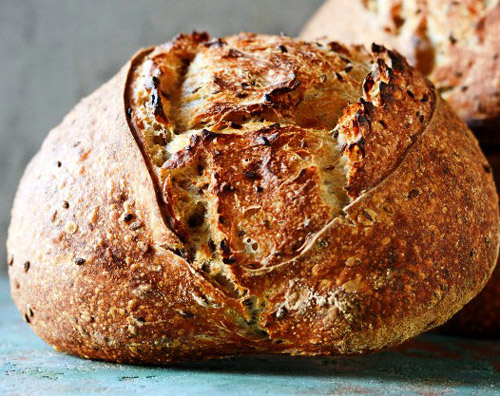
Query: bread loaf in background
455 43
252 194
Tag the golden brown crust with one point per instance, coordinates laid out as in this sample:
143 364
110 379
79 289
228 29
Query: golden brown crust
481 317
454 42
162 224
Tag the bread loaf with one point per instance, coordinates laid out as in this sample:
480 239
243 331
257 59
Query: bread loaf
252 194
455 43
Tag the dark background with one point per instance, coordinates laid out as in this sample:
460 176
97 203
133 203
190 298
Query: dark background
52 53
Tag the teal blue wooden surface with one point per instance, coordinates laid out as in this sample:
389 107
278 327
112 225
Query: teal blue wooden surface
431 365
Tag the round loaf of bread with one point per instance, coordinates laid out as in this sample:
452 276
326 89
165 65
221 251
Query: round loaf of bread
455 43
252 194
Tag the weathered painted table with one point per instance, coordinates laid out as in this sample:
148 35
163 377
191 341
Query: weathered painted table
428 366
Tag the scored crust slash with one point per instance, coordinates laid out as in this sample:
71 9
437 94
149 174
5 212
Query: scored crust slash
252 194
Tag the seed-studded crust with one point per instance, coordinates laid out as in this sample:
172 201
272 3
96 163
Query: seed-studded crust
481 316
455 43
156 225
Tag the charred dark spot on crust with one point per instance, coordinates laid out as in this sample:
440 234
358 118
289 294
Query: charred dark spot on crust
186 314
235 125
339 77
337 47
229 260
344 59
205 267
157 104
178 252
211 245
413 193
195 220
368 83
65 204
225 247
397 60
377 49
282 48
128 217
27 318
208 134
58 164
227 187
233 54
361 144
487 168
247 302
348 68
216 43
263 141
302 172
367 215
79 261
219 81
367 107
155 81
362 119
281 312
251 174
27 266
11 261
410 94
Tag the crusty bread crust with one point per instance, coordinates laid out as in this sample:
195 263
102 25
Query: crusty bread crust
455 43
481 316
130 228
